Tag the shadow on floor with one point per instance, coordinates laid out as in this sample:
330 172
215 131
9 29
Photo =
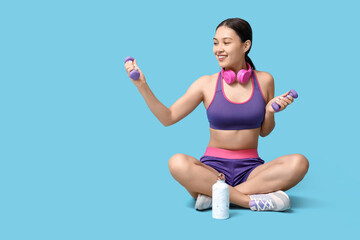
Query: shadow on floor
297 202
191 204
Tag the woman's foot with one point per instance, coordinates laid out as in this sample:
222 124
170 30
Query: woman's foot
203 202
275 201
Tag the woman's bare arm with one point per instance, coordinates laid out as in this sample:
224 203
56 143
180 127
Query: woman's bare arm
180 109
189 101
283 101
269 121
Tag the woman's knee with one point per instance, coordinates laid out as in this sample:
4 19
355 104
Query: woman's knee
299 164
178 163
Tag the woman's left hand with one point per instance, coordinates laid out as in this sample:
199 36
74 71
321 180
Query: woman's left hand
281 100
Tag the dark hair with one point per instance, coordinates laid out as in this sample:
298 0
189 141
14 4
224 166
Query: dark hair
243 29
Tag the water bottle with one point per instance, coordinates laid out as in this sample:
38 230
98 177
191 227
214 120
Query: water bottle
220 198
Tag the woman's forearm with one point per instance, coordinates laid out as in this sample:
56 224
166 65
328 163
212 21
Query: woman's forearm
268 124
156 107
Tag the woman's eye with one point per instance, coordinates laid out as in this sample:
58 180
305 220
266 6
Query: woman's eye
226 43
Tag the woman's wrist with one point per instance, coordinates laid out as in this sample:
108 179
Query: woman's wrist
141 85
269 109
269 113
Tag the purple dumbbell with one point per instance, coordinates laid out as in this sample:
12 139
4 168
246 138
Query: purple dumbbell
134 74
276 106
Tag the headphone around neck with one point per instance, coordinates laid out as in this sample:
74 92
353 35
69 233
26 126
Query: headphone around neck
242 76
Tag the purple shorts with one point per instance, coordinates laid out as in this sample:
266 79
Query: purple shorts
236 165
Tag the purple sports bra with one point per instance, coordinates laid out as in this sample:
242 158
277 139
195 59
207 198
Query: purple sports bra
224 114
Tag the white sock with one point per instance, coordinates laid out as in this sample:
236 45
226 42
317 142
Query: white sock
203 202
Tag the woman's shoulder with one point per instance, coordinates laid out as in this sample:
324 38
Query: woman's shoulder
201 84
264 77
208 78
266 83
205 80
205 84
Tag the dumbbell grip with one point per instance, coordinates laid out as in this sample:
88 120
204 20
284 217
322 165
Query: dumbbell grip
276 106
134 74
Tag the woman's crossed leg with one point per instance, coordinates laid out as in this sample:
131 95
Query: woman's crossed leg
279 174
197 178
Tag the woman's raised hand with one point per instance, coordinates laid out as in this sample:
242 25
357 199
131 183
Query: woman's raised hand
132 65
283 101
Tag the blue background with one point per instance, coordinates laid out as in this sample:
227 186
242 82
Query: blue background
82 156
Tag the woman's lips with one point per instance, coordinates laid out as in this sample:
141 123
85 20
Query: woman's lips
221 57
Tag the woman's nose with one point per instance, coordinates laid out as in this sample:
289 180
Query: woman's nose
219 48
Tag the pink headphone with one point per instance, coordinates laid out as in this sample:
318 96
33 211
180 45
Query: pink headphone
242 76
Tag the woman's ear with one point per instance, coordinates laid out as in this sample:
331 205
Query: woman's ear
247 46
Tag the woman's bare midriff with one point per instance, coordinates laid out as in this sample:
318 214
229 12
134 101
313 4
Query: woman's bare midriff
234 139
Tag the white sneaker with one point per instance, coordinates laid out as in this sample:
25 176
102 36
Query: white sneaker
275 201
203 202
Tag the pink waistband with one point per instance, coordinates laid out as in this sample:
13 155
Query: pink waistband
231 154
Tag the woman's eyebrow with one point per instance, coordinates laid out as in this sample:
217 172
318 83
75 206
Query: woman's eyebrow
224 38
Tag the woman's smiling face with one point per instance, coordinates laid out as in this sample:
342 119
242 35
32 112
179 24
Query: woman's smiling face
228 48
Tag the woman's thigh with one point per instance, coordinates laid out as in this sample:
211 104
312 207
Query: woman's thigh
290 161
265 166
181 160
189 171
281 173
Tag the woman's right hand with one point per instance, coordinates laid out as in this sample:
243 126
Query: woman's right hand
129 66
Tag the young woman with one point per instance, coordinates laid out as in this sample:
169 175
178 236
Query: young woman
238 103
